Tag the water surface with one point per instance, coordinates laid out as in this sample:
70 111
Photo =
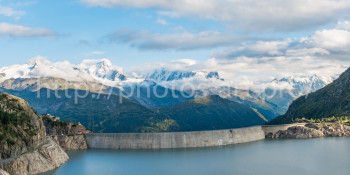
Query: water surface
271 157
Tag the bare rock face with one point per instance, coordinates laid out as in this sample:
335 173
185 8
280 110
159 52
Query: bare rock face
62 128
71 142
2 172
336 130
299 132
312 131
47 157
66 134
21 129
35 84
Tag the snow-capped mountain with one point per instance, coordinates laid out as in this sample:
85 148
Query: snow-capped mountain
295 87
304 85
89 70
163 74
102 69
270 98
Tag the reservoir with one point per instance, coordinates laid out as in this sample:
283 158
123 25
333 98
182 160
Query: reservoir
320 156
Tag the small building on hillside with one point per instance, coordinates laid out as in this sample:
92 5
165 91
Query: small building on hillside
53 118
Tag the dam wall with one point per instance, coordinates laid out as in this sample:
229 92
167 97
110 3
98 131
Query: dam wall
174 139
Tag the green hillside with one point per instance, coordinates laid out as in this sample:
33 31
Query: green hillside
211 113
100 112
104 113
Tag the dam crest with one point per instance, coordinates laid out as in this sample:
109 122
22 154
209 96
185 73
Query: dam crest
180 139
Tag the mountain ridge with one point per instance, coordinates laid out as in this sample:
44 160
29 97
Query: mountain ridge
332 100
102 76
104 113
212 112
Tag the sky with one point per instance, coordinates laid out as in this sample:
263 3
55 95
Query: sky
249 36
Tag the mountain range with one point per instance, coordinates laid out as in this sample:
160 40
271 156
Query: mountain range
161 87
166 75
88 70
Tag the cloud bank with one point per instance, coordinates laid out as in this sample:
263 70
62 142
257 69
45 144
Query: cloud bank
253 15
329 44
145 40
19 31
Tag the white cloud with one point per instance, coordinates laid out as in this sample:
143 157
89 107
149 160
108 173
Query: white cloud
257 15
174 65
306 51
17 31
162 21
182 40
343 25
10 12
333 39
323 44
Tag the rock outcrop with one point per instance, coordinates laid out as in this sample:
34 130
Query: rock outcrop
312 131
49 156
2 172
21 129
71 142
61 127
24 145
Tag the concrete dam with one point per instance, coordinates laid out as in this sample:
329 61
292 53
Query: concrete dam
175 139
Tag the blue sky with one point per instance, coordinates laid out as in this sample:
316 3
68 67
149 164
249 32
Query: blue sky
133 32
82 30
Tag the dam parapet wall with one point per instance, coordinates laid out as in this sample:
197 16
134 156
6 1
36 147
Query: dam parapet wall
184 139
174 139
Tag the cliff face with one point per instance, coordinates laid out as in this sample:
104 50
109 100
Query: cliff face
312 131
49 156
71 142
61 128
2 172
24 147
21 129
66 134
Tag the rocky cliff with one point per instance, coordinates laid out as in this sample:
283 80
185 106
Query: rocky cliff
73 142
61 127
68 135
2 172
21 129
24 147
49 156
312 131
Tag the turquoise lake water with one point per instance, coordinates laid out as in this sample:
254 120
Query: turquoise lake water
324 156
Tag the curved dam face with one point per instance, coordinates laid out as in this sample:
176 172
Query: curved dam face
174 139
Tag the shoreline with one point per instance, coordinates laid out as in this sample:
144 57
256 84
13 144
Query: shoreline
173 140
